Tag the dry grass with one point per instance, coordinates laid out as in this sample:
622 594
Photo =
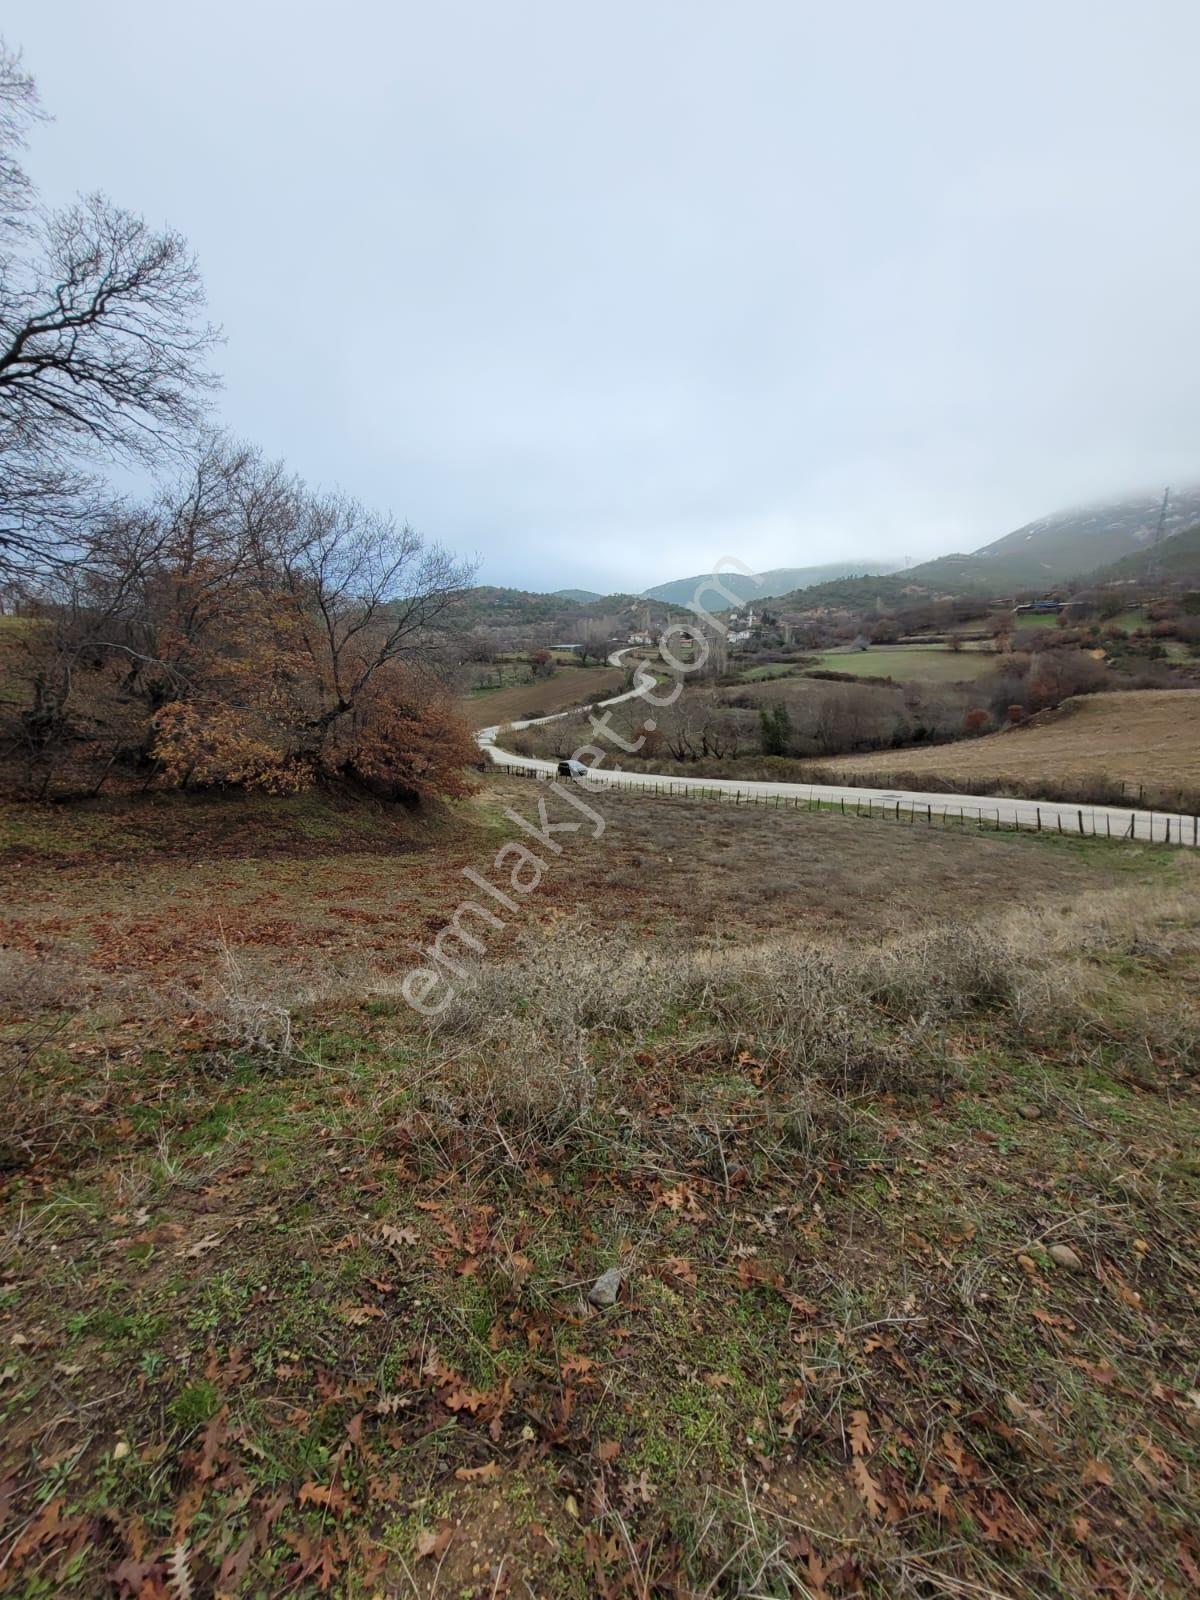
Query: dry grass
31 984
312 907
724 875
1149 737
293 1289
852 1018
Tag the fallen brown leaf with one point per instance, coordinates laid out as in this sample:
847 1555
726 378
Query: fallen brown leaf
428 1543
860 1438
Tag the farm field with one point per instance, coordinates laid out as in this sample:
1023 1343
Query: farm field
933 663
294 1292
570 686
487 679
1130 619
1143 737
247 869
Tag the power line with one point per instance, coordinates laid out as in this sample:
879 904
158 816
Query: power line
1156 547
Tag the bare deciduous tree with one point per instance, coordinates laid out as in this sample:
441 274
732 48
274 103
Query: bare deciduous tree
19 110
844 717
102 348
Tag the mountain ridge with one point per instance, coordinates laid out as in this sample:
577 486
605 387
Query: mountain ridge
767 585
1051 551
1060 548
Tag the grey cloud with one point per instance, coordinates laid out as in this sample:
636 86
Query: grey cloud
608 293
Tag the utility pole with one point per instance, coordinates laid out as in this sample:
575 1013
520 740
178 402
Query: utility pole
1156 547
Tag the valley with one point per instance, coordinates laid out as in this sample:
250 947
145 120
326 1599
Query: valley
599 803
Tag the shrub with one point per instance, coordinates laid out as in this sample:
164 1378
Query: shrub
32 984
546 1054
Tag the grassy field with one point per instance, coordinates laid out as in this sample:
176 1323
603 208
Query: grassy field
891 1137
1146 737
770 670
1129 620
570 686
495 676
907 663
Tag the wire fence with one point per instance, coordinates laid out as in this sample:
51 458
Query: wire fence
1014 816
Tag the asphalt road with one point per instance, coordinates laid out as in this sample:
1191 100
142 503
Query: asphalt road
1051 816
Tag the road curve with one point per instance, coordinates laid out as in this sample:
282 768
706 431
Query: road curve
1047 816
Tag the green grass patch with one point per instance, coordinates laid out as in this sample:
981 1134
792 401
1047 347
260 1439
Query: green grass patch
909 663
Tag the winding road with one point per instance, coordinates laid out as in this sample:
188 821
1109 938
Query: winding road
1046 816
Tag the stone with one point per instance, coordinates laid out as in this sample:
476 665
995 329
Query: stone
606 1288
1030 1113
1063 1256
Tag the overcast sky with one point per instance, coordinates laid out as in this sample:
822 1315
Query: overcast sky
608 293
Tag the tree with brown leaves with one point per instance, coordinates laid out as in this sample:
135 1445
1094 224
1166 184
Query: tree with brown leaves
243 631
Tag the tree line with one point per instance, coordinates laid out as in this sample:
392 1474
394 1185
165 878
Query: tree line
232 625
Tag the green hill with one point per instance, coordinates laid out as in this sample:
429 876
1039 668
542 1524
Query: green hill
1104 543
492 605
1056 549
1178 562
1071 543
760 586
